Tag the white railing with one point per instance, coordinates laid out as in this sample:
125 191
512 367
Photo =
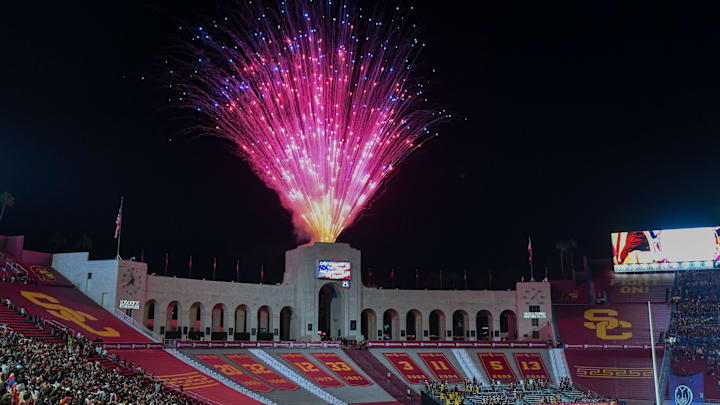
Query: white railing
314 389
221 378
467 365
137 326
58 325
559 364
15 266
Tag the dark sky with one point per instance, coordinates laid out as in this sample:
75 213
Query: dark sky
581 119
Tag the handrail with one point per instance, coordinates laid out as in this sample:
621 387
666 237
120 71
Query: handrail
137 325
15 266
61 326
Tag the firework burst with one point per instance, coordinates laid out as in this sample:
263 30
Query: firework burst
316 97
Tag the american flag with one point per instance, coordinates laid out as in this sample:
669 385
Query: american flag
118 220
529 249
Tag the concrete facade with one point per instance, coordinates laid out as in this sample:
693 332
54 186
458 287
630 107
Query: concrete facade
105 281
291 309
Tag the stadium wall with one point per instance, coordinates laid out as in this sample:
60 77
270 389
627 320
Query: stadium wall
98 279
291 310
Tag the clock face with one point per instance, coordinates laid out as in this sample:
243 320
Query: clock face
131 283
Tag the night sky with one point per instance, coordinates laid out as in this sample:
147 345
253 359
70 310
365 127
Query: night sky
570 120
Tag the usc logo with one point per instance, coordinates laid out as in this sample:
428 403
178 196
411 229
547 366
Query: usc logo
60 311
601 324
42 273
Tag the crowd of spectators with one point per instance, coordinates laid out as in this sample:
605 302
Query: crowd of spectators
694 332
519 393
34 372
12 273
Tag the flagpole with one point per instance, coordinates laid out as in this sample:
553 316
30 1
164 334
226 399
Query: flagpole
532 276
652 353
532 273
122 199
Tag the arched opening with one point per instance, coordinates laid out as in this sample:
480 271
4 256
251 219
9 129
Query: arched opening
437 325
484 324
218 318
149 317
286 324
264 319
241 330
460 325
391 327
413 325
330 311
368 324
508 327
194 317
171 318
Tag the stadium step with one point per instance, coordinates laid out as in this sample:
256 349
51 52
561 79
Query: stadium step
468 366
345 385
378 372
24 325
176 372
297 379
559 364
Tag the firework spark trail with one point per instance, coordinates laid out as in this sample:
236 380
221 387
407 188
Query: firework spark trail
315 97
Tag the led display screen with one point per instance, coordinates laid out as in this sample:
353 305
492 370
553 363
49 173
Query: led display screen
666 250
333 270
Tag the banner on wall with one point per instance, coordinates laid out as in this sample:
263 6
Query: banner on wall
456 344
132 346
590 403
686 390
221 344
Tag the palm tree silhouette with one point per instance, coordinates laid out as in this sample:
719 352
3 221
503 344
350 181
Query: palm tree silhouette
58 241
572 246
562 247
84 243
7 200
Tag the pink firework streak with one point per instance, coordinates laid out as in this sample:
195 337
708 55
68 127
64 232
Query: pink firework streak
315 97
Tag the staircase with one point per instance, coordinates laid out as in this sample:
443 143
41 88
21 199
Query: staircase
129 321
468 366
559 364
378 372
25 326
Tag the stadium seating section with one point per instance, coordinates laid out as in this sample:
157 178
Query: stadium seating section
615 326
72 309
613 317
696 330
37 273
